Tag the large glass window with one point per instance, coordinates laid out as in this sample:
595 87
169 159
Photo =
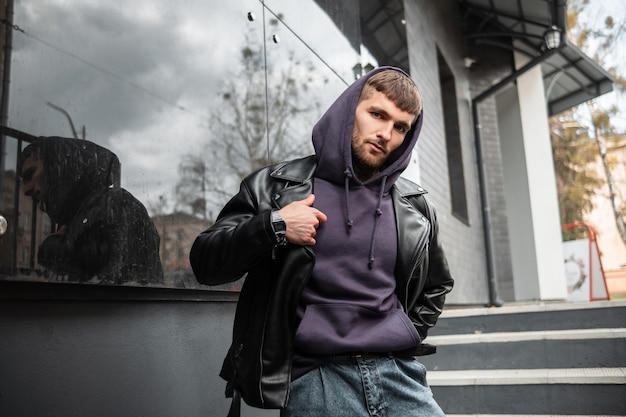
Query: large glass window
146 115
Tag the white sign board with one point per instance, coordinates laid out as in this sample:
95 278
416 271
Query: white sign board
583 271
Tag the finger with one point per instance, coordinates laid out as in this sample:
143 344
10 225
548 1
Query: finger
321 217
309 200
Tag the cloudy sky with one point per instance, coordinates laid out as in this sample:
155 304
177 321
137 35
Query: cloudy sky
142 76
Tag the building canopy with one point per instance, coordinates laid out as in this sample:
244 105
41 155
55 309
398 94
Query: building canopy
570 76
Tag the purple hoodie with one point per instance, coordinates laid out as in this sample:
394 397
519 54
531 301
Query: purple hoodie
349 303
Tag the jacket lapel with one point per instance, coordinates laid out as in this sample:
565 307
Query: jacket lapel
413 229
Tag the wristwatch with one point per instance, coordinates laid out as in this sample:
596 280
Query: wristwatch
280 228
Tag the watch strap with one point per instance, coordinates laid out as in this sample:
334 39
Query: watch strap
279 227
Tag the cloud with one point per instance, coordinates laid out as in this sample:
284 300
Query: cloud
139 76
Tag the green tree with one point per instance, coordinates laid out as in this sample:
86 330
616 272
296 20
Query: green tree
576 178
192 190
576 182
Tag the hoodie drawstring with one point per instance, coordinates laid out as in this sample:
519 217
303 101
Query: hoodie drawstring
348 176
377 215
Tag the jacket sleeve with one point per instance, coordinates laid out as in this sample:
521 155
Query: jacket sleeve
437 282
240 238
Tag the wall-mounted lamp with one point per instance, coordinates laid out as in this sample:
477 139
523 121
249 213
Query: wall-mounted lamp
552 37
360 70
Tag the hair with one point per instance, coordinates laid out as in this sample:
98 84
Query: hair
33 149
398 88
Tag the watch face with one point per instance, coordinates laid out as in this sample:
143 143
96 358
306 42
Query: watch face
279 226
277 222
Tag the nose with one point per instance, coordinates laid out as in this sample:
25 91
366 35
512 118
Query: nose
385 131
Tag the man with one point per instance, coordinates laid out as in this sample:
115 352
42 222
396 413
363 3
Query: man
345 273
103 232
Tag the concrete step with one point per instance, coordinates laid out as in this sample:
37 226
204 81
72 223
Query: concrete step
598 391
507 337
585 348
576 376
538 316
531 415
533 359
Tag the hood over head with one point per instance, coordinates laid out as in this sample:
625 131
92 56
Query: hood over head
73 170
332 139
338 188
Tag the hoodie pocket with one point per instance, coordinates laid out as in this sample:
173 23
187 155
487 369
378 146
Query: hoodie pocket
336 328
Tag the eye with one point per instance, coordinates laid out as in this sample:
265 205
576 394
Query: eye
376 115
401 128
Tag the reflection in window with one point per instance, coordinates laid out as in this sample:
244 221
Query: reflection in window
46 223
261 118
103 234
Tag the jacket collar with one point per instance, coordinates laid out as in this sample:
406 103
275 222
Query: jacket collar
303 170
407 188
298 170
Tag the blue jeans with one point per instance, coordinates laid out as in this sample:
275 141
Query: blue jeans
363 385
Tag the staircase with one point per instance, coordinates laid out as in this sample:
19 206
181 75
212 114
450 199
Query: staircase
537 359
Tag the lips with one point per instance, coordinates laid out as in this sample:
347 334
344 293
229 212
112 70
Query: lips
378 147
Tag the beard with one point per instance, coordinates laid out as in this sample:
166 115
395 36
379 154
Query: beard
364 167
365 164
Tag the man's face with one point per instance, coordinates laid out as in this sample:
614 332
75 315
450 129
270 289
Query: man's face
32 178
379 128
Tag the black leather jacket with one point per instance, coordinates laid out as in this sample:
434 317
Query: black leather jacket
258 364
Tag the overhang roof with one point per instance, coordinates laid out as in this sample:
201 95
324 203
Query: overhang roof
570 77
